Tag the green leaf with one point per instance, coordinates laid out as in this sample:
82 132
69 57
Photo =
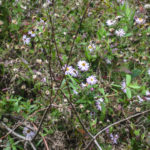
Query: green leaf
137 132
128 79
103 113
87 55
102 91
115 85
128 34
101 32
128 93
134 86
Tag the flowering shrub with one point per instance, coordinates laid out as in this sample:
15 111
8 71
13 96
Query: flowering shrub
74 74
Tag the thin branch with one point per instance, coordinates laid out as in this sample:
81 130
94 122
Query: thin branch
82 124
73 43
10 131
14 133
18 135
32 145
45 142
51 100
115 123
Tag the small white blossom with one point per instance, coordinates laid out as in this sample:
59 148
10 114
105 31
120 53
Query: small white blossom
121 1
42 21
1 22
147 97
114 138
65 33
120 32
38 73
70 71
98 103
34 76
15 70
147 93
83 65
108 61
118 17
83 85
23 7
43 80
110 22
147 6
26 40
123 86
23 87
148 71
75 92
140 20
47 92
140 99
91 80
28 133
31 33
81 106
39 61
74 73
91 47
124 60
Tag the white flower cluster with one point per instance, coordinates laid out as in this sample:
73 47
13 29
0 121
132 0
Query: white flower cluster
83 66
111 22
69 70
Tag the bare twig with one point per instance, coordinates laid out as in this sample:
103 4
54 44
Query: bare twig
82 124
73 43
118 122
18 135
69 100
11 131
32 145
45 142
51 100
14 133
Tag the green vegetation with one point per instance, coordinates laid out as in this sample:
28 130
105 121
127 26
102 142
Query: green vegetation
69 69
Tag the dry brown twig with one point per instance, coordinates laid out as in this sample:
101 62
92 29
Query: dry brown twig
18 135
69 100
115 123
51 100
45 142
82 124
